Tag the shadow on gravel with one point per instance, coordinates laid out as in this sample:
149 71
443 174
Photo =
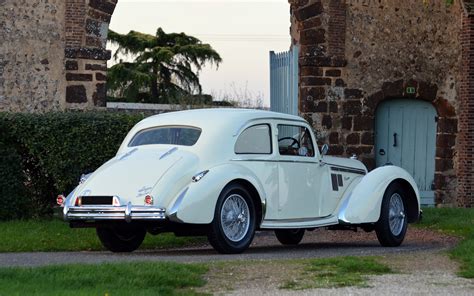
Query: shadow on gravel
339 249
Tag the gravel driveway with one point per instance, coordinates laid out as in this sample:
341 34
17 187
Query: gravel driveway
316 244
416 273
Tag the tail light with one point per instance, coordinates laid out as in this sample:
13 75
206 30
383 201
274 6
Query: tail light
148 200
60 200
78 202
115 201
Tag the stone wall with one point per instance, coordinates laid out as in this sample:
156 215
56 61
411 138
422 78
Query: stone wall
396 44
356 53
465 142
52 55
32 55
87 23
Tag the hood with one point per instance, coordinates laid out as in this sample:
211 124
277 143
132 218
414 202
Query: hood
132 175
344 162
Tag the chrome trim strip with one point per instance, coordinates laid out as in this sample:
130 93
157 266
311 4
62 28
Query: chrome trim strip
346 169
342 211
264 210
173 213
273 160
127 213
300 223
128 154
168 152
297 220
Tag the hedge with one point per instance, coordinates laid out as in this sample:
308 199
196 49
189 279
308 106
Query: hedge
45 154
12 191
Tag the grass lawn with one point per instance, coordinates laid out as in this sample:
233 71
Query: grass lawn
104 279
458 222
337 272
55 235
162 278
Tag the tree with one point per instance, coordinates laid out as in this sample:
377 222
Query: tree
164 66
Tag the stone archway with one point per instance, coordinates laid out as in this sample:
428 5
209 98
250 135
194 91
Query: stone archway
447 128
86 28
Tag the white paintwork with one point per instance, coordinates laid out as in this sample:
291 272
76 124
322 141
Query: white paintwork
333 198
295 191
363 203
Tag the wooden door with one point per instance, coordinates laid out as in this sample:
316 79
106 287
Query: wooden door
405 136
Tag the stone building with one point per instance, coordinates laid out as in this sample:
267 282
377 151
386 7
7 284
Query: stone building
392 81
370 72
52 55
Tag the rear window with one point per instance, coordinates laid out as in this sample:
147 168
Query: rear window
171 135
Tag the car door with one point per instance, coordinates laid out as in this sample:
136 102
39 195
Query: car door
254 149
298 172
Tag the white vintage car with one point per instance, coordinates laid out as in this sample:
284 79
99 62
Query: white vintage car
226 173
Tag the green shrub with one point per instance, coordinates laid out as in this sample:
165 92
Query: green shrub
12 191
55 149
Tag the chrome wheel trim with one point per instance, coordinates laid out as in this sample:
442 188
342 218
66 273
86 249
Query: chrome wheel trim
396 214
235 217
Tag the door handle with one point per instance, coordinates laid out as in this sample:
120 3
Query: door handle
395 140
382 152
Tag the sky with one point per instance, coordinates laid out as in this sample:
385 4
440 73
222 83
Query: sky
242 32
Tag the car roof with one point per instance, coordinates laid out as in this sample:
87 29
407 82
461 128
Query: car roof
208 118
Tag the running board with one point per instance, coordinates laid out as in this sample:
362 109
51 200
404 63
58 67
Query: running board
299 223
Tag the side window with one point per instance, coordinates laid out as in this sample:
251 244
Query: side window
254 140
295 140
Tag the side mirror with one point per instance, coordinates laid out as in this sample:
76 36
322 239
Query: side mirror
324 149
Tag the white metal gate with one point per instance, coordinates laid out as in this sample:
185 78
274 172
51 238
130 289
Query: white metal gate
284 81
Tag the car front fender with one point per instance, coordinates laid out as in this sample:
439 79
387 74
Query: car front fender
363 204
196 203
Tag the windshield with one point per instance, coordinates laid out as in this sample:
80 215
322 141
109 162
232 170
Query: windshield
174 135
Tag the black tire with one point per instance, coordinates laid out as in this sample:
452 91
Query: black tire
387 236
123 238
217 237
289 236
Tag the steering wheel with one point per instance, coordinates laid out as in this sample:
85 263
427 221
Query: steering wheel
292 143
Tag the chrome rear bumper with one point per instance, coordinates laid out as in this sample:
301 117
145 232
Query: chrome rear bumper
126 213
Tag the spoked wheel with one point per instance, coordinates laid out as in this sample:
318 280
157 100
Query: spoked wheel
123 238
289 236
233 227
392 225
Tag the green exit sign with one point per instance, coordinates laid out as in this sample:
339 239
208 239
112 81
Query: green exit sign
411 90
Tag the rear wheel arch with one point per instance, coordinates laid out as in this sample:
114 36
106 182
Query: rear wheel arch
257 201
410 200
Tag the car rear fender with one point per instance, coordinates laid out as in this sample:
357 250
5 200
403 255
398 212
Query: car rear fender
197 202
364 202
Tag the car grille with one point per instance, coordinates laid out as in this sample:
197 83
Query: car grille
96 200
